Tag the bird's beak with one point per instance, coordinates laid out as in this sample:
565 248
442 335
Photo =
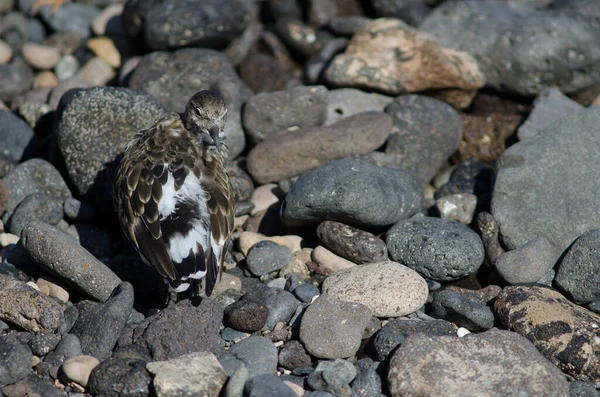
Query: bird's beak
214 131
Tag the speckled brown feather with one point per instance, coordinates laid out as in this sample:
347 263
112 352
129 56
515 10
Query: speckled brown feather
141 176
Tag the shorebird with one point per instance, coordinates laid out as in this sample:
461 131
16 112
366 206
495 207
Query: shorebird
173 195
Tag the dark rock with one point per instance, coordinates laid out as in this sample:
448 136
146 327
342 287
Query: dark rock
68 347
320 12
246 315
16 77
563 332
35 176
173 78
436 248
99 328
75 210
368 382
61 254
197 330
281 304
38 207
550 61
315 66
15 362
351 243
89 141
274 113
42 344
462 311
488 227
295 152
582 389
184 23
267 385
257 353
71 314
27 307
423 122
123 374
306 292
346 26
300 37
231 335
266 256
70 17
470 365
577 274
396 331
33 385
95 239
410 11
332 376
264 73
526 264
293 355
352 192
331 328
15 134
526 209
471 176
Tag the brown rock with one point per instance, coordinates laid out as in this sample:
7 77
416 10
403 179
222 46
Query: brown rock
97 72
562 331
40 56
28 308
105 49
322 11
323 257
294 153
352 243
263 73
45 79
389 56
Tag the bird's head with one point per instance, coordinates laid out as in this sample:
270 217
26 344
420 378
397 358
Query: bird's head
205 116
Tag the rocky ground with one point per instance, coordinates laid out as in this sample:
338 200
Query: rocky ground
417 198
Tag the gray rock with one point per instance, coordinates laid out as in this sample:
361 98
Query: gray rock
38 207
426 132
60 254
28 308
582 389
567 60
270 114
242 184
295 152
35 385
331 328
75 210
336 373
368 382
470 366
90 140
267 385
578 273
306 292
346 25
123 374
436 248
353 244
15 362
548 107
99 328
186 23
463 311
539 182
246 315
266 256
394 333
16 77
192 374
410 11
293 355
42 344
68 347
173 78
70 17
281 304
67 67
197 330
257 353
15 134
526 264
470 176
315 66
231 335
35 176
345 102
353 192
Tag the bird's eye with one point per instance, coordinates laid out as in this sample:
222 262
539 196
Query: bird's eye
198 111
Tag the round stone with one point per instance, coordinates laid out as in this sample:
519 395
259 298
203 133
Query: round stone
78 369
246 315
266 256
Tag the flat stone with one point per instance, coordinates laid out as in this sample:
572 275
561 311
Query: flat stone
266 256
463 311
257 353
331 328
445 365
538 179
345 102
351 243
281 304
352 192
577 274
295 152
79 368
62 255
563 332
387 288
40 56
191 374
526 264
370 62
106 50
328 259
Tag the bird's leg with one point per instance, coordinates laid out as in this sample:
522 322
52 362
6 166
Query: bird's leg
55 5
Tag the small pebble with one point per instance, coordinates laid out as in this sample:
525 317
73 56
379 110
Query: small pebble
97 72
105 49
248 239
264 197
326 258
67 67
78 369
457 207
8 239
266 256
40 56
306 292
246 315
53 288
108 21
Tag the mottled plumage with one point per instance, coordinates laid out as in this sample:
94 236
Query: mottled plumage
173 195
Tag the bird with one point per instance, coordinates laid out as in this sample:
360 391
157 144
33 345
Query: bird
174 198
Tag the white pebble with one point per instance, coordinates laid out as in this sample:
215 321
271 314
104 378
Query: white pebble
462 332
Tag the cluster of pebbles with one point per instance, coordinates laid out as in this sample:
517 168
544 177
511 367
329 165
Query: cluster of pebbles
410 222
